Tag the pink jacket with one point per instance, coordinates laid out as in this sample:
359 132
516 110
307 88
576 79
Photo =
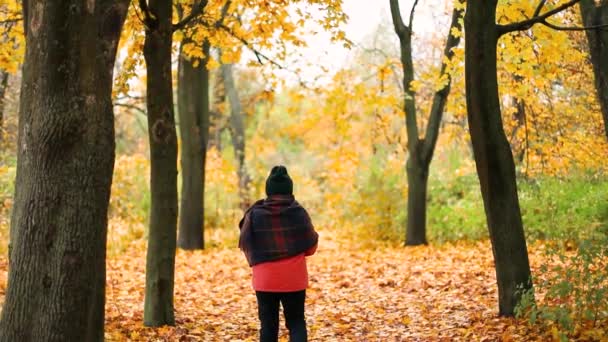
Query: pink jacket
285 275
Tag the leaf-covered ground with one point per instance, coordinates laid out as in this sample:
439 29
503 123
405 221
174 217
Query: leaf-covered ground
423 293
435 293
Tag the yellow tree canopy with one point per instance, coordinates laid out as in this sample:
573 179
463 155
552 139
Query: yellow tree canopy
12 40
268 28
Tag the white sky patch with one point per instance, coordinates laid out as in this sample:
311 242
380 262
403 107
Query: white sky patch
321 59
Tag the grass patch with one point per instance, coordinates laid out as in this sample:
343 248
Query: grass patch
552 208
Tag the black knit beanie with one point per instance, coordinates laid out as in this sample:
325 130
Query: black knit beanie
278 182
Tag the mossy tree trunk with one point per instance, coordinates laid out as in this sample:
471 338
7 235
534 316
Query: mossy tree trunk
56 279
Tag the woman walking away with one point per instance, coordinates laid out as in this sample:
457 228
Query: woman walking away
276 236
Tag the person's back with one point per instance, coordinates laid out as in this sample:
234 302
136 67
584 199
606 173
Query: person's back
276 236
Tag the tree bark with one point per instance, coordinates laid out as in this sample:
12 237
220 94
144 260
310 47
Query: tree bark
493 157
216 124
160 261
417 180
594 15
420 150
193 109
3 86
56 279
237 131
518 146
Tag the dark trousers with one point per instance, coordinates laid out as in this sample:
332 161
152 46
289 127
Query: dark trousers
293 308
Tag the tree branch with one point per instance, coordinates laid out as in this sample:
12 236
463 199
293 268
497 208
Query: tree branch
574 28
409 101
261 57
412 14
441 96
196 10
387 57
11 20
224 13
258 55
149 22
539 8
400 27
528 23
130 106
131 97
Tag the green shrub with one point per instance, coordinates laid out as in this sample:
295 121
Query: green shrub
376 208
554 208
575 289
455 210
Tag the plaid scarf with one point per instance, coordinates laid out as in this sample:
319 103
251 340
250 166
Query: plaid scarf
275 228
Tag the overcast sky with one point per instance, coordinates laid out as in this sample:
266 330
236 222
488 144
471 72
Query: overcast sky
364 18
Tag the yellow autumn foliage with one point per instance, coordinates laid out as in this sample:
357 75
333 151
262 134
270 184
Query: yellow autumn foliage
12 40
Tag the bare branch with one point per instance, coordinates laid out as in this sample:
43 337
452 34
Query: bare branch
602 27
260 56
130 106
386 56
412 14
539 8
196 10
400 27
528 23
11 20
131 97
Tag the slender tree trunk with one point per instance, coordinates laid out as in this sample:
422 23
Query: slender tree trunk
518 146
493 156
237 130
598 47
420 150
193 109
216 122
56 280
417 179
214 129
3 87
160 261
520 117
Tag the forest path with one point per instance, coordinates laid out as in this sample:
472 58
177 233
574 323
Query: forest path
433 293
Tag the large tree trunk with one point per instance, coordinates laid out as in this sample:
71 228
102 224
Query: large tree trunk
493 156
3 86
193 109
420 150
160 261
56 280
237 130
598 47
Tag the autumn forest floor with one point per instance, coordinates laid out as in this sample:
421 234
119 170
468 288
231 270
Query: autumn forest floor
434 293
